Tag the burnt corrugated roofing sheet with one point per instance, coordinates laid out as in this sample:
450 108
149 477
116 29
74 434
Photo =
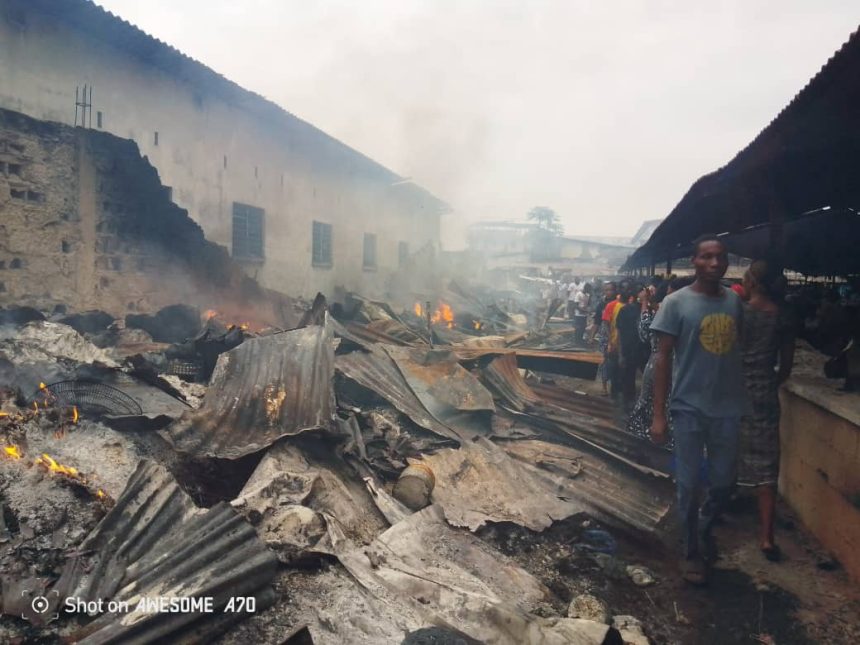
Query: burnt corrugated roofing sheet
155 543
265 389
376 371
503 377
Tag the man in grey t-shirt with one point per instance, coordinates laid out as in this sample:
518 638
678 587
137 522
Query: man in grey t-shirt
699 325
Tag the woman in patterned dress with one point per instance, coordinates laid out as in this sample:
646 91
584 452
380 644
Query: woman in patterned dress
639 421
768 341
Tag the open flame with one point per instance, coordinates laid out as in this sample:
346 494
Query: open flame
477 324
12 451
48 462
443 314
75 415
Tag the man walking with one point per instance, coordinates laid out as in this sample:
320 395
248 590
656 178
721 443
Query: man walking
699 324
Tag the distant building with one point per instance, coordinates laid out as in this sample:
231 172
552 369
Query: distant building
301 211
509 249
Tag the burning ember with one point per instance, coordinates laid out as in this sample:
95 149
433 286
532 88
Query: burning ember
13 452
443 314
49 463
209 314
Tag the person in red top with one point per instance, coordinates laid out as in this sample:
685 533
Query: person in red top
609 339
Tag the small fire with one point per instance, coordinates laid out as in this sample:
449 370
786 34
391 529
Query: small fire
100 494
49 463
477 324
443 313
75 415
12 451
209 314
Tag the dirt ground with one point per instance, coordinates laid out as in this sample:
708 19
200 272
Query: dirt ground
804 599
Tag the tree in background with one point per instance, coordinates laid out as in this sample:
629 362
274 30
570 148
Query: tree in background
547 219
544 240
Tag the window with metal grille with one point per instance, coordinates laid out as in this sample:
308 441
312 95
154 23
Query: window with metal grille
321 251
369 261
248 231
402 253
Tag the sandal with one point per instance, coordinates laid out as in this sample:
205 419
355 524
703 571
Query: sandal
772 553
694 571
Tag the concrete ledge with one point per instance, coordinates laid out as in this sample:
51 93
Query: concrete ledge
820 465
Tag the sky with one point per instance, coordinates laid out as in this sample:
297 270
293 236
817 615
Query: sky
604 110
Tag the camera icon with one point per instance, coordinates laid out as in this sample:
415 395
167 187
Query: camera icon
40 604
39 607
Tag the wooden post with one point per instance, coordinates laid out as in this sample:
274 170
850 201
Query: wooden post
429 323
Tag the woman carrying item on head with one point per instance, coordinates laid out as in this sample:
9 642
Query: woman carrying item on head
767 341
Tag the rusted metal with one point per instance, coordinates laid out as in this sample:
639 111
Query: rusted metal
156 543
265 389
444 387
503 378
576 364
376 371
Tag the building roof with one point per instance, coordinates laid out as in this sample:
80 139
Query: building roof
645 231
111 29
804 160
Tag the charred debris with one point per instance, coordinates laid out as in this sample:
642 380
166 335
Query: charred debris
183 455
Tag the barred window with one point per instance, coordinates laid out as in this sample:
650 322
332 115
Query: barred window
321 250
369 261
248 232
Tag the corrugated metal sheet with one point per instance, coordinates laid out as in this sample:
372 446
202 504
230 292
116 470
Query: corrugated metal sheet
444 387
156 543
376 371
503 377
367 335
612 493
804 159
576 364
587 419
265 389
534 483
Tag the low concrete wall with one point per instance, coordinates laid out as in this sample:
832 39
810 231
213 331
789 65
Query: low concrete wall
820 465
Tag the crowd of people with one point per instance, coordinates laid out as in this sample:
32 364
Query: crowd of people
712 357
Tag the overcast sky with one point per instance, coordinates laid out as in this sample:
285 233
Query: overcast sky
604 110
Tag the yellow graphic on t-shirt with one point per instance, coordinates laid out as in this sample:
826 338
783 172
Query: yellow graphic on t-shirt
718 333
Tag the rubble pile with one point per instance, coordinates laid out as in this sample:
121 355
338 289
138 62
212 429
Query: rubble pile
351 462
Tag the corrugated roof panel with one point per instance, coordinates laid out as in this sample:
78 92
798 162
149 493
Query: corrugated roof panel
265 389
155 543
377 372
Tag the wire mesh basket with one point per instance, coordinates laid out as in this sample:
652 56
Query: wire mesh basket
188 370
89 396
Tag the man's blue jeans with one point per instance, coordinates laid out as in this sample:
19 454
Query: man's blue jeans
693 433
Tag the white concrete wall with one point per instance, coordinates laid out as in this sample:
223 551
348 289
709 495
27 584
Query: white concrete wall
300 175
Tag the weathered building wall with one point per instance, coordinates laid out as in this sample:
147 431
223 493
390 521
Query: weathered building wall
216 144
820 468
85 222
